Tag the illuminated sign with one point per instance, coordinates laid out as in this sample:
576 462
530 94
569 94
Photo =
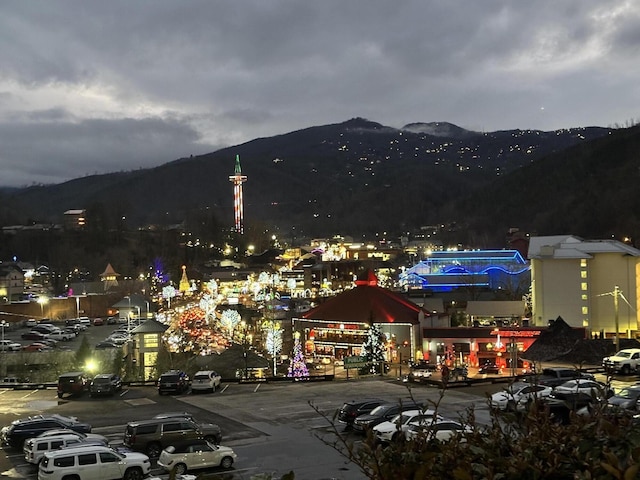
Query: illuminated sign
516 333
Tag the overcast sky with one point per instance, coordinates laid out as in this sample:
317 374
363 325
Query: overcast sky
103 86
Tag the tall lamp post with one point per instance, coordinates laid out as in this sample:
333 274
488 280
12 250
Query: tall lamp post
43 301
3 324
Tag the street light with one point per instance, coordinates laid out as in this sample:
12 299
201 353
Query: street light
3 324
43 301
128 315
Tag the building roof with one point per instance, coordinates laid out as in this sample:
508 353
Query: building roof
150 326
506 308
569 246
366 304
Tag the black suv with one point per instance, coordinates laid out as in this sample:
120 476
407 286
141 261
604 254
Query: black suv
15 434
173 381
350 410
105 384
151 436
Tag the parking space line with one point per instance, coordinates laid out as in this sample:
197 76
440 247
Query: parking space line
30 393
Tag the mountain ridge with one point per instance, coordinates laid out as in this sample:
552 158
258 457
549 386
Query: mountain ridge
354 177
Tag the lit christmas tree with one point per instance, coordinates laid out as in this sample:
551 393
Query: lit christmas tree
297 367
373 348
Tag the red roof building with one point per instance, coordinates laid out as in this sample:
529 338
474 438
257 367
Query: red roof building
338 327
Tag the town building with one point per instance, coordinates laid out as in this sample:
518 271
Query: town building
337 328
474 273
591 284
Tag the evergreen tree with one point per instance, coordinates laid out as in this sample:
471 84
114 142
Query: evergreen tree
298 366
83 353
373 348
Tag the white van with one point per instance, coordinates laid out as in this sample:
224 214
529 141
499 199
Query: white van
91 462
34 448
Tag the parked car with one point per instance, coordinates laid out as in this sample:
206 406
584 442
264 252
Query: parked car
32 322
105 384
173 381
45 328
83 436
61 335
441 430
15 434
96 461
112 320
106 344
71 330
382 413
34 448
390 430
33 335
36 347
205 381
97 322
151 436
585 386
519 395
627 398
489 367
73 383
195 454
9 346
351 410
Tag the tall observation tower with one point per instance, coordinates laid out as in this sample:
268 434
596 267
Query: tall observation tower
238 179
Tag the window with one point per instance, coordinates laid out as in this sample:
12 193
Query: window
585 310
87 459
108 457
150 340
584 286
42 446
63 462
583 274
171 427
56 444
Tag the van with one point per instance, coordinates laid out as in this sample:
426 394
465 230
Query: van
34 448
73 383
93 461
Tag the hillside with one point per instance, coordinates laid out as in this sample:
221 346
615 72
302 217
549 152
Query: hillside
356 177
589 190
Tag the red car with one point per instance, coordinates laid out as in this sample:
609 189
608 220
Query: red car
36 347
98 321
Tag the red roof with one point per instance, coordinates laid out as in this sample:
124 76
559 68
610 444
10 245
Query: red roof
364 304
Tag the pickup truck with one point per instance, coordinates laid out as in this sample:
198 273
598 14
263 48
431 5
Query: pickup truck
554 376
60 335
625 361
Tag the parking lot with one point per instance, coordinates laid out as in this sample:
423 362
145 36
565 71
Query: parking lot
273 428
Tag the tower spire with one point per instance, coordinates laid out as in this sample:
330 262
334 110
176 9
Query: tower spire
238 205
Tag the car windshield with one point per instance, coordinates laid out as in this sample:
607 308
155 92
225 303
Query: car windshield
169 378
201 377
101 380
623 354
381 409
628 393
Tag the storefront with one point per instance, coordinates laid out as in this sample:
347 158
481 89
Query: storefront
477 346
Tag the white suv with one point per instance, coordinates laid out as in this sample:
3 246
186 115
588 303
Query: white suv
93 462
205 380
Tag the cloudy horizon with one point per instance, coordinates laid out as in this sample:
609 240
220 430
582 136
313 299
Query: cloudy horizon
99 87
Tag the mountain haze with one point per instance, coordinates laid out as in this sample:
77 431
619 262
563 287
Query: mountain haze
355 177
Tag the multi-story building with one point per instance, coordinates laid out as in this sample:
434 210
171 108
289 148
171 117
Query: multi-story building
591 284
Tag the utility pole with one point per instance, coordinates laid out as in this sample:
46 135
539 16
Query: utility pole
616 292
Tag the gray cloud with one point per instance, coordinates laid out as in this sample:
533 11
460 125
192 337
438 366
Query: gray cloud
91 87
